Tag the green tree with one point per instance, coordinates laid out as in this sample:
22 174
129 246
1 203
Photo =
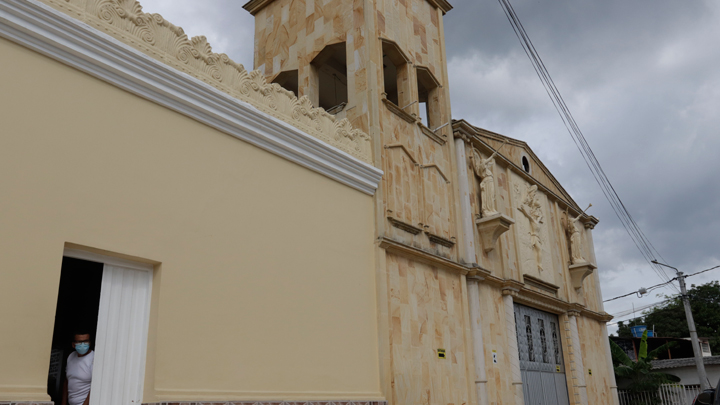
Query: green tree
669 319
638 375
624 326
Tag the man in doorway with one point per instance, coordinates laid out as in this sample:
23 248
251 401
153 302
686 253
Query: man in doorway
79 371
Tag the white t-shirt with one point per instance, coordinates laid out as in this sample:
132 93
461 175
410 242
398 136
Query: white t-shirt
79 374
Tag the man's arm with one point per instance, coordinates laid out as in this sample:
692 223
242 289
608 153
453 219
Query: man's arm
65 393
87 399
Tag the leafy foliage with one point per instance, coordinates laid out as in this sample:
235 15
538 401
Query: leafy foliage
669 319
638 375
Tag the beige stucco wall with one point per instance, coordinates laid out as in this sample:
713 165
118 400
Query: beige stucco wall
427 306
495 336
264 287
593 336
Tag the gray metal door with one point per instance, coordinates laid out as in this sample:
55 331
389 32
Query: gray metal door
541 363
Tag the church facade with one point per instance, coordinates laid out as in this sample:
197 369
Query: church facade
317 230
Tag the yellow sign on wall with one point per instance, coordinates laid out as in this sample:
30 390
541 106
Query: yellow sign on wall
441 353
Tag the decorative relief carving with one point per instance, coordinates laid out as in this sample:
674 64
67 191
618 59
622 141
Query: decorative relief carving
531 208
484 170
417 194
573 229
576 246
160 39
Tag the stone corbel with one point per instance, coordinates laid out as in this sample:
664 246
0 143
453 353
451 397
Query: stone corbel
579 271
590 222
512 287
491 228
573 313
478 273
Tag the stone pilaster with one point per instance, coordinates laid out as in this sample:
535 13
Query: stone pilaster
577 369
512 348
477 338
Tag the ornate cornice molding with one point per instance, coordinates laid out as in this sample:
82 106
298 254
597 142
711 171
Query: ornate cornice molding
80 45
522 294
441 4
590 221
160 39
478 273
254 6
421 255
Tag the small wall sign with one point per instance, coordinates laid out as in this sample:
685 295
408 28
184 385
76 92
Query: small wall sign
494 353
590 371
557 368
441 353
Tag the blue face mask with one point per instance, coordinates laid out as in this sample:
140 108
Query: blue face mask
82 348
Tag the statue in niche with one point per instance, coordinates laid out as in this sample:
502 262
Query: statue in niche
576 245
531 208
484 170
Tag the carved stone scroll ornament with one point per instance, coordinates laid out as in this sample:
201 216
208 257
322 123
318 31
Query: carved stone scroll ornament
160 39
532 210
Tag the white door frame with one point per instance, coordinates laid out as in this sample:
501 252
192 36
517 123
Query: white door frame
123 321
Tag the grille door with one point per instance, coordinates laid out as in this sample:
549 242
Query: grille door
541 362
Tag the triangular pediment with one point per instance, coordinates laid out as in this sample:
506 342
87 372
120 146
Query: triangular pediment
518 154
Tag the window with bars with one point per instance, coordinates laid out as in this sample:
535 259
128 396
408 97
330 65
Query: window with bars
528 335
543 341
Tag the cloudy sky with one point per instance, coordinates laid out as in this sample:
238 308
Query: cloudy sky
642 79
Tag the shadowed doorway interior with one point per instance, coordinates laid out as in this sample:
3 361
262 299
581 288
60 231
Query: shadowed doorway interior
77 308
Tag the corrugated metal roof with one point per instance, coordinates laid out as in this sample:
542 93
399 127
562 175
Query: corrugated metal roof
685 362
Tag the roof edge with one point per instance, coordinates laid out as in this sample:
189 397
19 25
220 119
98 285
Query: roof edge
471 131
254 6
442 5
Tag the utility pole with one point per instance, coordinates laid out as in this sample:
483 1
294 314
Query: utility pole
704 382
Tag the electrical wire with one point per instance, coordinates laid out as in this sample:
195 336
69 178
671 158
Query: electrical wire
639 238
648 290
655 287
702 271
642 308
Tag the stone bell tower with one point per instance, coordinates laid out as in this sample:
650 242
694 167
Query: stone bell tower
381 64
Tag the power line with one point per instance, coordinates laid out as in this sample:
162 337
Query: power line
703 271
647 290
661 284
642 307
631 227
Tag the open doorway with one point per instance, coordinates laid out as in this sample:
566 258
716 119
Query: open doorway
77 309
330 66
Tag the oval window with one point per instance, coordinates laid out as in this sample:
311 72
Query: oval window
526 164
